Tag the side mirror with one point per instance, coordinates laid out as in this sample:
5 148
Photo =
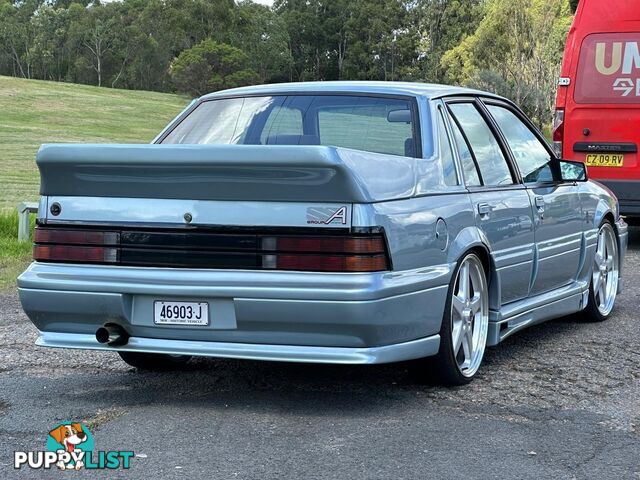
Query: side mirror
573 171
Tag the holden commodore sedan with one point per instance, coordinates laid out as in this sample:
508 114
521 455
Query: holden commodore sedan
337 222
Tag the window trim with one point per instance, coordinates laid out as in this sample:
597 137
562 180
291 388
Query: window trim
416 125
534 130
513 170
441 114
451 119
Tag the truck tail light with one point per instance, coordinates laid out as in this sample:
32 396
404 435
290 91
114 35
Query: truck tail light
558 132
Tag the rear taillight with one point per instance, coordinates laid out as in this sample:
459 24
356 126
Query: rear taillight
365 252
326 253
70 245
73 254
75 237
558 132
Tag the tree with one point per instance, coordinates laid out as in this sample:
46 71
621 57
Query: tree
211 66
441 26
263 35
515 51
382 41
98 41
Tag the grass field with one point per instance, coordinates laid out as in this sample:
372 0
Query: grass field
14 256
33 112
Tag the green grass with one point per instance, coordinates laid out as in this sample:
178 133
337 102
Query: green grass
14 256
33 112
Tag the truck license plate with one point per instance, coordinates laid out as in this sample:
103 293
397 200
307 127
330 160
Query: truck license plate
181 313
605 160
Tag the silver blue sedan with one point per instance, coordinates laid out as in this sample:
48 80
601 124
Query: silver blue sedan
337 222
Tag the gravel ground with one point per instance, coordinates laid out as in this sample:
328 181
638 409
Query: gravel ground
560 400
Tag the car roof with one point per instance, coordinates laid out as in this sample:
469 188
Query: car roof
429 90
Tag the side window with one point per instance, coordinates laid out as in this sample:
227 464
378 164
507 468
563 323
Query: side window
533 159
446 155
282 122
472 178
484 146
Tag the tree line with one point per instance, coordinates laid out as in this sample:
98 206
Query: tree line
511 47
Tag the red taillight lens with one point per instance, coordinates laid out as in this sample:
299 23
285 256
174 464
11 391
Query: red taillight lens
365 245
320 252
326 253
558 132
75 237
71 245
68 253
331 263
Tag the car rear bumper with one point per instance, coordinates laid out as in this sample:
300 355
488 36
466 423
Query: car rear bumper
313 317
422 347
628 194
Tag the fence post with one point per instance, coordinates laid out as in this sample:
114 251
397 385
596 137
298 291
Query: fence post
24 209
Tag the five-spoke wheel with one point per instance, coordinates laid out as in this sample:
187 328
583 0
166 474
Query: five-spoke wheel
605 276
463 335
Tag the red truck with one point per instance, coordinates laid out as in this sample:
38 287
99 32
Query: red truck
597 118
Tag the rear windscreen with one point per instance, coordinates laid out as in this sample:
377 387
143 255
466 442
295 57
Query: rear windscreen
609 69
370 123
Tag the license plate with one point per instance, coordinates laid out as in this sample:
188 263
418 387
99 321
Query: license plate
181 313
605 160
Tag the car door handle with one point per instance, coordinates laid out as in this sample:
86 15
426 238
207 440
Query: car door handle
484 209
540 203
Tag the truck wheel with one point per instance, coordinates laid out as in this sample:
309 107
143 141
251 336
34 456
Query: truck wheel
603 288
154 361
463 334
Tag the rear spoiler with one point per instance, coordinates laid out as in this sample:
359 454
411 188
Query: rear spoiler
224 172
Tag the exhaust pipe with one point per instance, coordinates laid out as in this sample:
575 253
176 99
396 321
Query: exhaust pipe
112 334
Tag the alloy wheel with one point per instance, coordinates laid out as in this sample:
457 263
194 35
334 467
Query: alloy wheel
605 270
469 315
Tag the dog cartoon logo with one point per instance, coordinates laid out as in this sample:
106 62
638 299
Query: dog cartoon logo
70 446
73 439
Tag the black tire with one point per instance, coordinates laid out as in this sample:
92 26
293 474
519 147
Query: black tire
443 368
158 362
593 313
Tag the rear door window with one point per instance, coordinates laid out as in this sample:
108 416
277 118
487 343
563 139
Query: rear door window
533 159
494 169
609 69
